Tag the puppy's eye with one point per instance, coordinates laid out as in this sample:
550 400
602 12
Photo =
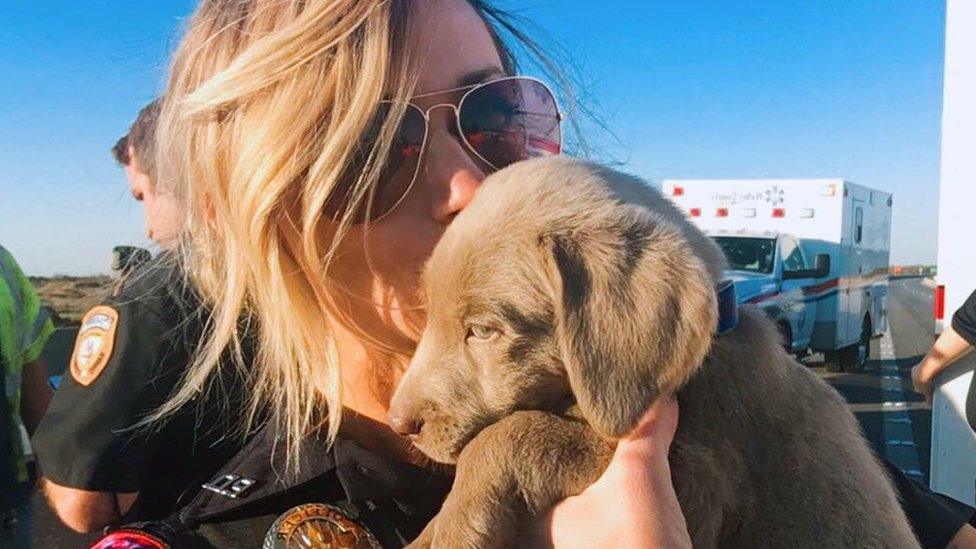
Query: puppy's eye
481 332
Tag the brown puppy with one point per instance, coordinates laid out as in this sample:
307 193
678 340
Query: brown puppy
561 303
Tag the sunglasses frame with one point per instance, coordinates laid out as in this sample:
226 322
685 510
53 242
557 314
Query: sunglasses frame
456 107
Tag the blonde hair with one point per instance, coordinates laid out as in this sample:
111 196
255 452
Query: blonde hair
264 110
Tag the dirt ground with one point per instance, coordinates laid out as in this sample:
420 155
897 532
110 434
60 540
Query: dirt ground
69 297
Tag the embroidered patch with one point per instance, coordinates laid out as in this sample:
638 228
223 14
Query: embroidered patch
93 348
318 525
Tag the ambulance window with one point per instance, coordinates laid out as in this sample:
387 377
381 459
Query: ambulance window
858 225
794 257
748 254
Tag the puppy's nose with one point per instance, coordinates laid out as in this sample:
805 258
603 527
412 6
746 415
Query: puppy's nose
405 424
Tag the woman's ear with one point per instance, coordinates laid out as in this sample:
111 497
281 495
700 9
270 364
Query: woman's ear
635 313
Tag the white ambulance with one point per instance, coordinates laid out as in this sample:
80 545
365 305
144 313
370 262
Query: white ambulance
953 441
812 253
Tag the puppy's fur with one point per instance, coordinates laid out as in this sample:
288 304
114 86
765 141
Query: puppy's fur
561 303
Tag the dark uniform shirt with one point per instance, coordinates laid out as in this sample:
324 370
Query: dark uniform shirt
130 354
934 517
391 499
964 323
964 320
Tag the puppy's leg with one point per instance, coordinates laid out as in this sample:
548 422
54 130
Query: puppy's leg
511 473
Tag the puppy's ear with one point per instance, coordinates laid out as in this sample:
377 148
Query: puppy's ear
635 313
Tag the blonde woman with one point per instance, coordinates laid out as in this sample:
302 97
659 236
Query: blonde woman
324 146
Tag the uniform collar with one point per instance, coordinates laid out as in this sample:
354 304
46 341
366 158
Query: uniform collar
261 462
361 474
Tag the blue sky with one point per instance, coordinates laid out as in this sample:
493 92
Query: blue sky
690 89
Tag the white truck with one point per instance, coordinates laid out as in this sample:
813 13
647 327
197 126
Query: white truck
953 458
812 253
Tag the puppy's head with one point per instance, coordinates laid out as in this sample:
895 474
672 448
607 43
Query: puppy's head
561 282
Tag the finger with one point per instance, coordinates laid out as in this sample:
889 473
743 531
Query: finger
658 418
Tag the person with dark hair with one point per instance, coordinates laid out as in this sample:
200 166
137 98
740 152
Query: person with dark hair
120 151
99 464
136 153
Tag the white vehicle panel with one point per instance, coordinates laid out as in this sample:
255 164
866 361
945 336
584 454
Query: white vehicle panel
953 441
812 208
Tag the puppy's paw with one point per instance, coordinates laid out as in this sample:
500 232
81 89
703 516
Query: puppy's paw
462 536
464 527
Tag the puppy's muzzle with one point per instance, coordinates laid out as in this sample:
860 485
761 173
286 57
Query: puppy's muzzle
404 417
404 424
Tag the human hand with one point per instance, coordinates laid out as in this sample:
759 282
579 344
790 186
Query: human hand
922 381
950 347
633 503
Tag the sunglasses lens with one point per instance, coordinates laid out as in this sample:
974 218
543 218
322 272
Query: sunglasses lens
396 174
511 120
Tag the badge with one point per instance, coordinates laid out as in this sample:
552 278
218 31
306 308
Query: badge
93 347
318 525
130 538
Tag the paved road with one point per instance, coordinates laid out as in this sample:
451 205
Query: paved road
910 306
911 326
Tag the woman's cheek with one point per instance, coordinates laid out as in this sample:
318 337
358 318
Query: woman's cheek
403 247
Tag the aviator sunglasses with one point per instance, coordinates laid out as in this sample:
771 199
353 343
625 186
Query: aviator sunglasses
500 122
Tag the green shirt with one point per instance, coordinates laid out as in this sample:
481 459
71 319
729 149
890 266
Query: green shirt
24 329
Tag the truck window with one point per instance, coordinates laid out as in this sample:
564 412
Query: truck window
794 261
858 224
748 254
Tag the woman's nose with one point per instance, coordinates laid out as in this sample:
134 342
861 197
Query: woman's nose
461 188
452 173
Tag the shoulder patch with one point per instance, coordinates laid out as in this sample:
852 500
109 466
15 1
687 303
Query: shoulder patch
93 347
318 525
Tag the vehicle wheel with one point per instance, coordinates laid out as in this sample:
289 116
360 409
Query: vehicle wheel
854 357
864 344
833 361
